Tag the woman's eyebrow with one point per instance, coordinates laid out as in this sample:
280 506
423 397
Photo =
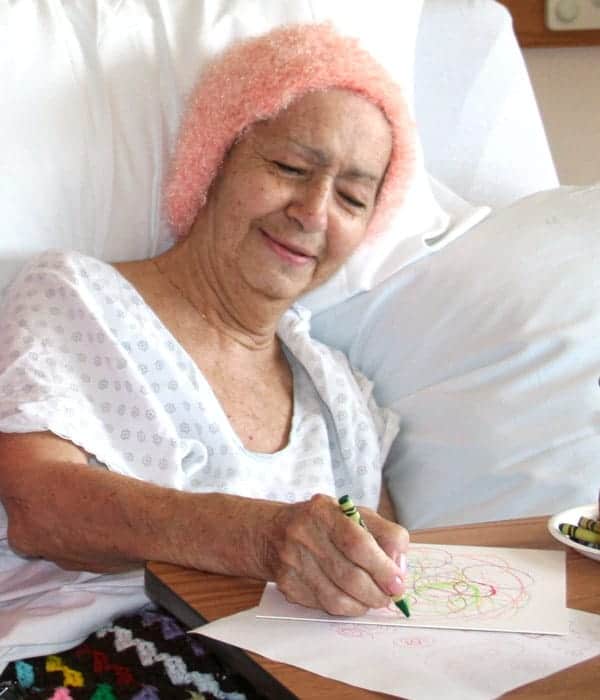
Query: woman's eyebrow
358 174
321 158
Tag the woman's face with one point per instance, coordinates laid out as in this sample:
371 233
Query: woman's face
295 195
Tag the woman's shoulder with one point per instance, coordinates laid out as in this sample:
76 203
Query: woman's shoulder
69 265
61 270
69 284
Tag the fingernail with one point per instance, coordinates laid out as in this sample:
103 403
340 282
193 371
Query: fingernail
397 587
402 563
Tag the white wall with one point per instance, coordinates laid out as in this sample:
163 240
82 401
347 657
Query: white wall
566 82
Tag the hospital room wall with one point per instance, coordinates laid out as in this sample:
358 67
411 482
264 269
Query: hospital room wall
566 82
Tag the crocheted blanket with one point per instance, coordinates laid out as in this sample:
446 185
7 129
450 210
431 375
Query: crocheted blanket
144 656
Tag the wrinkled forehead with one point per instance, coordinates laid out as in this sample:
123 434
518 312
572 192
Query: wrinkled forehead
332 123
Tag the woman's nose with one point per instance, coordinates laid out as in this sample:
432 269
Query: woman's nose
309 206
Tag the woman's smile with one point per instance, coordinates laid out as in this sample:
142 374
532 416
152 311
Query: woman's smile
292 254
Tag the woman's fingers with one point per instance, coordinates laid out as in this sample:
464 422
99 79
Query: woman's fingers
340 566
392 538
314 590
363 550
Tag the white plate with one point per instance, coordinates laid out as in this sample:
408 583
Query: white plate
572 516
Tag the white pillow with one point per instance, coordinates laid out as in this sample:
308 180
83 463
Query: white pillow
475 104
490 352
92 93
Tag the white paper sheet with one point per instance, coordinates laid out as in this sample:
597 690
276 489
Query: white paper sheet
457 587
414 663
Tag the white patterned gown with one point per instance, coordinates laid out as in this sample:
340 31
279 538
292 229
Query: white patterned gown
83 356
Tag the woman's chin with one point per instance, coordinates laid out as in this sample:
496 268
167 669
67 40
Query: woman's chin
281 286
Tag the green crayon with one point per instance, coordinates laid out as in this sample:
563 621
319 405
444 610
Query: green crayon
351 511
589 524
402 604
579 533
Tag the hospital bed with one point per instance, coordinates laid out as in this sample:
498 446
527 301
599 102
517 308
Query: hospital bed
476 316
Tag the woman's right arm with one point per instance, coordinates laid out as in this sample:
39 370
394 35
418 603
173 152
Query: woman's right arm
84 517
88 518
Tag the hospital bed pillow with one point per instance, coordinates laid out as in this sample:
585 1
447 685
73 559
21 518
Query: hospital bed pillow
489 350
93 93
477 113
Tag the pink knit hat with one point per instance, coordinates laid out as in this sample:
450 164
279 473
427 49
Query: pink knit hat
256 79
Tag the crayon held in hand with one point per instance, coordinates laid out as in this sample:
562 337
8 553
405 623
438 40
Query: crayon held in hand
579 533
351 511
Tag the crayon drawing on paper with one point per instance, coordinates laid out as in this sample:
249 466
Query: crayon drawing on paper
458 587
471 585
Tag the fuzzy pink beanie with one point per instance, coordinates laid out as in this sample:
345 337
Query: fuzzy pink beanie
257 78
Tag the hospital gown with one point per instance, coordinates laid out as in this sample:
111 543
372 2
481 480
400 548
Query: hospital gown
83 356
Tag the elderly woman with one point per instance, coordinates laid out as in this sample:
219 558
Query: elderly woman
176 408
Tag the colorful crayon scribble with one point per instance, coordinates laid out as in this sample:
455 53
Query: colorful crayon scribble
445 585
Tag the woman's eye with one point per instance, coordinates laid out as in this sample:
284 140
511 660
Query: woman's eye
289 168
352 201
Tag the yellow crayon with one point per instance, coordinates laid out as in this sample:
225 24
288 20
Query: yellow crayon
351 511
589 524
579 533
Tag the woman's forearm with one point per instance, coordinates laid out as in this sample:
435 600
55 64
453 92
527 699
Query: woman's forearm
88 518
62 509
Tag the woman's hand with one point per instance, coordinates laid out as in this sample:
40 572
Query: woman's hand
320 558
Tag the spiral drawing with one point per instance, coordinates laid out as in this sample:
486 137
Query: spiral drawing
446 585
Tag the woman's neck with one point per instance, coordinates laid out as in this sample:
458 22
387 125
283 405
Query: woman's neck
233 312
